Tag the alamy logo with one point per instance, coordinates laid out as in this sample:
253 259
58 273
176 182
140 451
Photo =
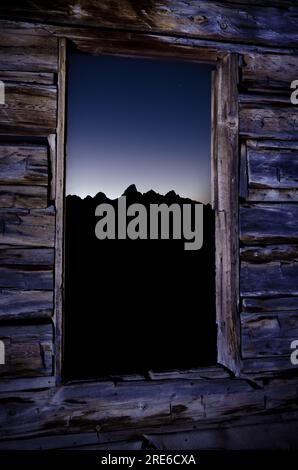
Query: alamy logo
294 94
2 353
159 222
2 92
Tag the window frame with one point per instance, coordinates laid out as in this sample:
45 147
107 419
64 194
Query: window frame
225 175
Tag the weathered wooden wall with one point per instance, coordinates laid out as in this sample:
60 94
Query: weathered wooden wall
206 408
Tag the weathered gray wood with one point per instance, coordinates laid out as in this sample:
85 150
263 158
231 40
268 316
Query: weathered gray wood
52 163
28 350
273 168
106 408
225 148
269 71
21 384
216 372
268 279
261 254
268 334
256 24
272 195
268 122
269 223
270 305
23 227
268 365
59 201
30 197
23 164
27 49
26 256
40 78
29 109
272 144
25 305
28 279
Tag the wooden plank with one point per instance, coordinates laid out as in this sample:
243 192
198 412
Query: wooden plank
17 256
272 168
60 199
30 197
263 71
23 164
31 228
25 305
39 78
257 24
268 223
28 350
263 254
21 384
52 166
29 109
28 49
26 278
269 305
268 334
269 365
225 148
268 122
268 279
272 195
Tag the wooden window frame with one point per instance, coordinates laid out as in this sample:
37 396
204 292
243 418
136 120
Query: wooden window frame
225 171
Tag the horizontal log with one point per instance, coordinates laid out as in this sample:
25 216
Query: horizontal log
103 406
270 305
263 254
20 384
271 99
268 122
266 144
257 24
272 195
28 49
263 71
272 168
268 365
27 279
25 305
40 78
268 223
23 227
268 334
31 108
30 197
268 279
28 350
23 164
26 256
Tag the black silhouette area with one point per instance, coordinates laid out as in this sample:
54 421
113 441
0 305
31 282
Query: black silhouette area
136 305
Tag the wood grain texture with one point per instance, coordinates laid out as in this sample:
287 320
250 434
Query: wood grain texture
278 304
23 164
26 278
18 256
33 227
29 109
19 305
28 350
261 254
248 23
27 49
30 197
261 71
40 78
268 223
225 184
268 122
268 279
268 334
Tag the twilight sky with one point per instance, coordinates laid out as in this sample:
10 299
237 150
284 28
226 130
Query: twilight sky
138 121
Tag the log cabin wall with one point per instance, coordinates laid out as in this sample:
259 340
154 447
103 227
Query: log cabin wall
202 408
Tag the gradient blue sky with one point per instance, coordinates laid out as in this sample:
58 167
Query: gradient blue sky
138 121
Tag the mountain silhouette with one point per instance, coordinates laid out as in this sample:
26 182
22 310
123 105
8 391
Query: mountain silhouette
135 305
